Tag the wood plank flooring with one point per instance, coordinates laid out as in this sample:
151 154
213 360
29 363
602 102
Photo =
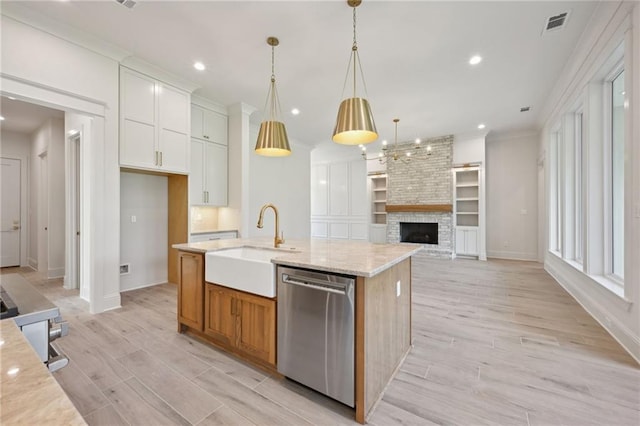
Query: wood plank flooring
497 342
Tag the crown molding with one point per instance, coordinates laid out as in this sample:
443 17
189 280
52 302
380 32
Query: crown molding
158 73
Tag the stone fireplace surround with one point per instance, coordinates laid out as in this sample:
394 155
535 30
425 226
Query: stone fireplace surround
425 181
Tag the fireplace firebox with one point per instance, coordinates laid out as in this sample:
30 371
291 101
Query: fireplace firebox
421 233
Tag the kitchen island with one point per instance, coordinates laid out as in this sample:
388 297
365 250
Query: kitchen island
245 324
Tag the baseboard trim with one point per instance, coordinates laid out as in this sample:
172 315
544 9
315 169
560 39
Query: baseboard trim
55 273
512 255
109 302
143 286
619 331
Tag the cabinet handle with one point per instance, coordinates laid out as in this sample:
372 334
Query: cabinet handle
160 158
207 192
233 306
156 160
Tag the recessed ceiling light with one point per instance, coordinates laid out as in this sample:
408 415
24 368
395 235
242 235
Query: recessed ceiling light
475 60
481 126
11 98
295 111
1 118
199 66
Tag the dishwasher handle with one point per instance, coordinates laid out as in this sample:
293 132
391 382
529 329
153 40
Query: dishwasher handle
314 284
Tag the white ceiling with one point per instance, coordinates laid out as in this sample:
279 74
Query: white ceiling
414 56
24 117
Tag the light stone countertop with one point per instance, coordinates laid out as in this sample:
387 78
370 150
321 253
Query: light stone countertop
358 258
30 394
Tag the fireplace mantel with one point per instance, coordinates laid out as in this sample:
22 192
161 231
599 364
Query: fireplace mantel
428 208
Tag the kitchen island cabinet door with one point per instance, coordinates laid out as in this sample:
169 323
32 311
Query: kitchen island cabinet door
190 290
257 327
220 314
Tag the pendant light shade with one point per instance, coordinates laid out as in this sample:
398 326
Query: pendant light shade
272 140
355 125
272 137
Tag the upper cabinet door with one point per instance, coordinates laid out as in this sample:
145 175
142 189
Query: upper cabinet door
214 127
196 174
197 122
359 205
339 193
138 97
208 125
319 190
216 174
174 109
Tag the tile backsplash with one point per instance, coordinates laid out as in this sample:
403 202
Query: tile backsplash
204 219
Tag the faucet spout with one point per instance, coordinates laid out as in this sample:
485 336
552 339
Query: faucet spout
277 240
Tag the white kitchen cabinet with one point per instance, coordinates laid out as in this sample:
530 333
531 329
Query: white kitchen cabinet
154 124
208 125
208 177
467 241
339 200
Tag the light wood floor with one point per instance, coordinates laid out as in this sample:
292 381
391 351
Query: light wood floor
495 342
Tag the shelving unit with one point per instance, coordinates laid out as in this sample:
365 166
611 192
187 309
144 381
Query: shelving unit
467 210
378 199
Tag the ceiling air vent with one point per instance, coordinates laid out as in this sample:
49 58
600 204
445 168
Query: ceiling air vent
525 109
556 22
127 3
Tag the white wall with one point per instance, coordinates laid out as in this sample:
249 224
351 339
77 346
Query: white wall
66 76
511 195
18 146
469 148
143 243
284 182
613 23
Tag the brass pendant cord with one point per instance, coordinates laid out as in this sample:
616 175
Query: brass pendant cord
354 58
273 101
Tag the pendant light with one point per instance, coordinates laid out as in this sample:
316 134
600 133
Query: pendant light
272 137
354 124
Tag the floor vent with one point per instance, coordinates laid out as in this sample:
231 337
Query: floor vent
556 22
127 3
124 268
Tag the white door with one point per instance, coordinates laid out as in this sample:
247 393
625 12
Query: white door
10 212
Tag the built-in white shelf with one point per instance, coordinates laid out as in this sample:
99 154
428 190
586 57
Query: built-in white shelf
378 187
466 184
467 199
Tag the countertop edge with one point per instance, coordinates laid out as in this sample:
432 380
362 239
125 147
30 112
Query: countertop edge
359 273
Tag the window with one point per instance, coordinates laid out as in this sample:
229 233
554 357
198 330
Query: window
578 187
617 176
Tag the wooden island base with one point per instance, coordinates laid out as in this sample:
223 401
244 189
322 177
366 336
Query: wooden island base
245 325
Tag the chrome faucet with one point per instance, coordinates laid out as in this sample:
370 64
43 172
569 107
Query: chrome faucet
277 240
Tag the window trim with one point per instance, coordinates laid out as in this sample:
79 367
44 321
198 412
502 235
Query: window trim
607 158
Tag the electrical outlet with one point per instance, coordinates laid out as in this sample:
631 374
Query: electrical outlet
505 244
133 219
125 268
398 288
523 211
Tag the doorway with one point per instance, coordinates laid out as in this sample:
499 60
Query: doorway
10 214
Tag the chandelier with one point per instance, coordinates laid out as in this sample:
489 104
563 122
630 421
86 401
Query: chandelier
402 153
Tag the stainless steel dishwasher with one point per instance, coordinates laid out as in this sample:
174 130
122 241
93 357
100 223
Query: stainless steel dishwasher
316 331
